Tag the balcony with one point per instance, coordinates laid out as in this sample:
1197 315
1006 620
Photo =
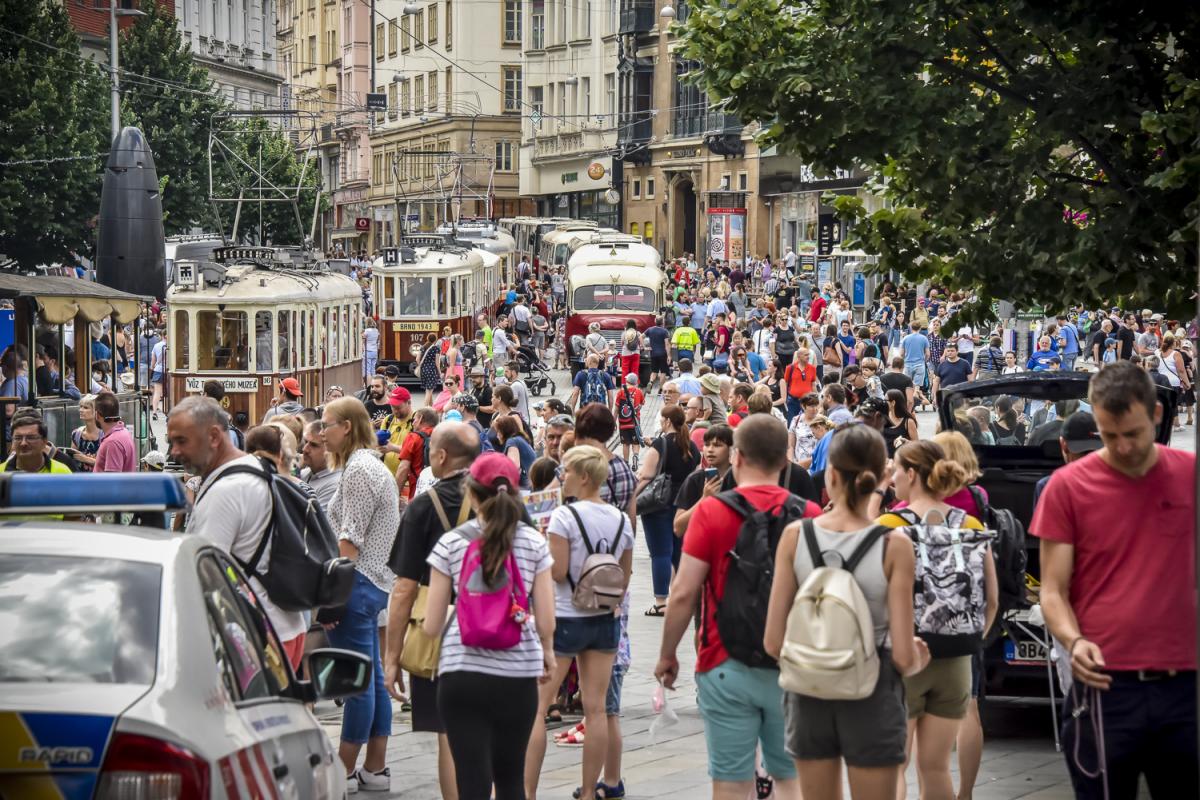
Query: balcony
350 119
718 122
637 17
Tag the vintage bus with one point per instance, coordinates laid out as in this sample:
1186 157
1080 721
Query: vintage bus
527 234
251 316
425 285
612 282
559 244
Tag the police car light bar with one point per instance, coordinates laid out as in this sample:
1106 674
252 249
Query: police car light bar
90 493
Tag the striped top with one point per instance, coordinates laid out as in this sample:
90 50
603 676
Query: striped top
533 558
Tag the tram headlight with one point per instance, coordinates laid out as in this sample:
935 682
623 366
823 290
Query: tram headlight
415 351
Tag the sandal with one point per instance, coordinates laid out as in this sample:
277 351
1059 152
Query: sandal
656 610
554 715
577 728
574 739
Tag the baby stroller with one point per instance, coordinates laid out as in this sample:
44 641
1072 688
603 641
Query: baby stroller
537 374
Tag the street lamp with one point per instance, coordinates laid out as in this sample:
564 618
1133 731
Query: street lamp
114 11
667 13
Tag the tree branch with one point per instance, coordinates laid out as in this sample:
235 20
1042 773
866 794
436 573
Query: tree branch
1069 178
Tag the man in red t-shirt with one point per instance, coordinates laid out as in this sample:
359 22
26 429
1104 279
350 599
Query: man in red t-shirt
412 451
1118 590
799 378
817 308
741 706
628 409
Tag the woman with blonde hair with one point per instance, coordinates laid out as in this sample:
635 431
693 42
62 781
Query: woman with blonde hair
454 360
365 514
85 440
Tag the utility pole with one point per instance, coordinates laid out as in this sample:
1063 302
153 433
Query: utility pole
113 65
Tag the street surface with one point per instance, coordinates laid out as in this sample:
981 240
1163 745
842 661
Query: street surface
1019 758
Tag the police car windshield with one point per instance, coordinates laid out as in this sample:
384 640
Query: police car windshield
78 620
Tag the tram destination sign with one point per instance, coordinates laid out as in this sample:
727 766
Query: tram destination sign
415 327
230 385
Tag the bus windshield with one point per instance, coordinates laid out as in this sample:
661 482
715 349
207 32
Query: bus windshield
614 297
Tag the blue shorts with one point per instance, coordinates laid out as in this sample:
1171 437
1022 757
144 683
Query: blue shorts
742 707
612 700
573 635
156 377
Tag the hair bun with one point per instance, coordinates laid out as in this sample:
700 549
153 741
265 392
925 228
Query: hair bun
865 482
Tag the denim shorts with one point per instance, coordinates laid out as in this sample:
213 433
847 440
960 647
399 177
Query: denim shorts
573 635
612 700
742 707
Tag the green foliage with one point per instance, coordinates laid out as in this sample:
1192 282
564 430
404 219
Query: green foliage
170 97
255 145
1040 152
52 106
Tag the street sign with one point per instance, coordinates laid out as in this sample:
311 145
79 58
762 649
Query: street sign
376 101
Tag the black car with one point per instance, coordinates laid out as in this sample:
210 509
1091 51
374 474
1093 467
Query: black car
1012 461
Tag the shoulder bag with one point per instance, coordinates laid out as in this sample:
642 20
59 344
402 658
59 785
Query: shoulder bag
657 495
421 651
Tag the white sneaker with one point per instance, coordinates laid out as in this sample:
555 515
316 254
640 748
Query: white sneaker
373 781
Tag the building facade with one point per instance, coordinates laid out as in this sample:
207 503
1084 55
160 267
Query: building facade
235 41
691 174
569 127
447 146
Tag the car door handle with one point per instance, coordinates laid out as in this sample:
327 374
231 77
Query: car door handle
281 771
314 759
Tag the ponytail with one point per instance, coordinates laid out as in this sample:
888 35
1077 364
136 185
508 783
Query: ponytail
499 511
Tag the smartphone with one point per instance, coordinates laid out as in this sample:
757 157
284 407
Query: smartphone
710 473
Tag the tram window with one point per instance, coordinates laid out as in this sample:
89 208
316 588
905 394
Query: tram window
221 340
454 296
389 297
285 341
262 342
416 297
335 354
302 334
323 337
356 339
562 253
441 297
181 341
312 338
346 333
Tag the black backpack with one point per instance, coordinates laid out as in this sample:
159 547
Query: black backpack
305 570
1008 550
424 449
742 611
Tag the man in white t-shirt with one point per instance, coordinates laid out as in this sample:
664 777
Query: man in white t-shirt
789 261
764 338
232 513
966 344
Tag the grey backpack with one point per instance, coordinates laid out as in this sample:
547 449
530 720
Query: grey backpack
601 583
949 599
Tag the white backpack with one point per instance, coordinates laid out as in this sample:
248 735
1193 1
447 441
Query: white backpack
829 647
601 583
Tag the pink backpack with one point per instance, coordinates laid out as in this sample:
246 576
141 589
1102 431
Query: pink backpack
490 618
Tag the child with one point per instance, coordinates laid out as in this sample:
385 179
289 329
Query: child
1110 350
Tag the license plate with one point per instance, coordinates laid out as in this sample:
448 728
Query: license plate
1025 651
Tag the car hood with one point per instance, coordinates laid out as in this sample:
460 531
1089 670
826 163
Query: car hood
1050 386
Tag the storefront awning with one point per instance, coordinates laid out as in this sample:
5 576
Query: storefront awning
346 234
61 299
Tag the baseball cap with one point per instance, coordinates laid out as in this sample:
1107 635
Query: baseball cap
465 400
392 371
872 405
399 395
1080 434
154 460
491 469
291 386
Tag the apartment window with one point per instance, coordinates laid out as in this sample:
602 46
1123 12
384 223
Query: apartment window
379 114
512 22
418 94
405 33
419 28
610 95
449 90
742 181
613 11
433 91
377 168
449 24
312 53
393 89
635 229
648 233
562 21
504 156
562 102
379 42
405 98
637 188
433 24
512 89
649 188
587 19
725 181
393 35
537 24
585 96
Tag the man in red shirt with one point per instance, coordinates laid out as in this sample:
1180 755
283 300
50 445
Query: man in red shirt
741 705
117 451
1118 564
412 451
817 308
799 378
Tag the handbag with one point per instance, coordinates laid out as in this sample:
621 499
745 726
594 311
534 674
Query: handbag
421 651
657 495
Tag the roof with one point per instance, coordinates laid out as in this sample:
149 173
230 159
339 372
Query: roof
630 274
89 540
92 21
627 252
431 261
246 284
60 299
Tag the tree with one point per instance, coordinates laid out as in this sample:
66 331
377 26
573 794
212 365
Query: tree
170 97
54 136
1041 152
253 160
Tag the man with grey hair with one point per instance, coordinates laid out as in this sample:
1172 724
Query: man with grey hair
233 513
316 472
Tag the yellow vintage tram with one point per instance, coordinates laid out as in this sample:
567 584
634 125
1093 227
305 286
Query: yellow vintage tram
425 286
251 316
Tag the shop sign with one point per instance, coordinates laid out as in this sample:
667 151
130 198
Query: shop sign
195 383
569 177
684 152
829 233
362 224
595 170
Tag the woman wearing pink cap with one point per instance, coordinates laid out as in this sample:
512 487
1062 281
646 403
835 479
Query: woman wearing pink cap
488 698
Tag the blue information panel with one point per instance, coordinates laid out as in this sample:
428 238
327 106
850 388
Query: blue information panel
859 295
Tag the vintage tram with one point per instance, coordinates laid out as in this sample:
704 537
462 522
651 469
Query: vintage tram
250 316
486 236
527 233
428 284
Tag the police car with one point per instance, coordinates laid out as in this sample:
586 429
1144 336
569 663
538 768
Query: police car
138 664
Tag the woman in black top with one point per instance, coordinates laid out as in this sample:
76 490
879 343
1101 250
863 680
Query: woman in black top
900 422
772 378
679 457
1009 427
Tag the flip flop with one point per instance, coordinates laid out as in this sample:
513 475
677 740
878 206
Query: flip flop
571 740
656 610
577 728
